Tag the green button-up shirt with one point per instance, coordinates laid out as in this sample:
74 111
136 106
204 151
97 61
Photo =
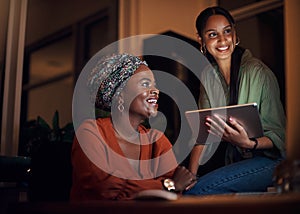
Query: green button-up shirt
257 84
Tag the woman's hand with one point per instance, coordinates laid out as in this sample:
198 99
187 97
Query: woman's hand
183 179
230 131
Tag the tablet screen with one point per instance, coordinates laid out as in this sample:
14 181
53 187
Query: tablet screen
245 114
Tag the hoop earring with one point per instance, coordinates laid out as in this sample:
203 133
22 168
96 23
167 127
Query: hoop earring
203 49
121 106
238 41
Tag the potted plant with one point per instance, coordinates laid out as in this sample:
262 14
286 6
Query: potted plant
50 152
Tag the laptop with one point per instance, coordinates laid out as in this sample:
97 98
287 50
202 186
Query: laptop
245 114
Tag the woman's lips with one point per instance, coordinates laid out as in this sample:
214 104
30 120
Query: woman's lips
223 48
152 101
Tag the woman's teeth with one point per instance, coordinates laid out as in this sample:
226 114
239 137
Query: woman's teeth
223 48
152 101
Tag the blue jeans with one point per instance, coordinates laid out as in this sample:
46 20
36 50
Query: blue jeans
249 175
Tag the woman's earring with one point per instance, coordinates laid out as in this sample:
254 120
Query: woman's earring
120 104
203 49
237 41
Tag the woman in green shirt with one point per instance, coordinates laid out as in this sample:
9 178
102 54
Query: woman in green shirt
249 163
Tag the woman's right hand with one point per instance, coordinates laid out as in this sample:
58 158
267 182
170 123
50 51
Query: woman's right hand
183 179
230 131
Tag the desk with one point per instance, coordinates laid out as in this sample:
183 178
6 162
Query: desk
240 204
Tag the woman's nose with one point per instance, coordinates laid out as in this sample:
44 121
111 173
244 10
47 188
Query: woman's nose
154 92
222 38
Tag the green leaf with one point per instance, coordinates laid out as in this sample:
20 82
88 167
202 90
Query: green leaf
37 133
68 133
55 121
42 123
68 127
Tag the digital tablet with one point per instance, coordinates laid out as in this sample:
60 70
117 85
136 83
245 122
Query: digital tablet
245 114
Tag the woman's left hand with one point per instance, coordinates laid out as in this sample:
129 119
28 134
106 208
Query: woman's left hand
230 130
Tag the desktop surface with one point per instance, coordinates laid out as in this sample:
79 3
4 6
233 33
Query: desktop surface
233 203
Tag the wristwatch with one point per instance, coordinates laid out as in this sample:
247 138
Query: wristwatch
255 145
169 184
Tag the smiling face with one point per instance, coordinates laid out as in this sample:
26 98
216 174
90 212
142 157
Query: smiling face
140 94
219 37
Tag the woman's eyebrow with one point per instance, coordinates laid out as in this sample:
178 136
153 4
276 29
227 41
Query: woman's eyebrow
145 78
228 26
210 30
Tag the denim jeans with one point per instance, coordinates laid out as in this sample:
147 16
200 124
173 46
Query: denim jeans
249 175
